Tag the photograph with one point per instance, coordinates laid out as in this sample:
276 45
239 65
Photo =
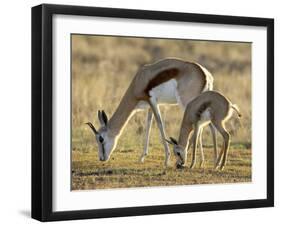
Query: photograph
149 112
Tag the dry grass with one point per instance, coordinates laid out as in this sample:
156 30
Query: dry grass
121 171
102 68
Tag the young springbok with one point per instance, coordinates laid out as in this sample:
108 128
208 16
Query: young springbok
168 81
210 106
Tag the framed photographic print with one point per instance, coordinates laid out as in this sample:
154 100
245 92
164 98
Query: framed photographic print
146 112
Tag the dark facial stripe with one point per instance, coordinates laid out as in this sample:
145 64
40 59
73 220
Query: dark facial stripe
162 77
102 150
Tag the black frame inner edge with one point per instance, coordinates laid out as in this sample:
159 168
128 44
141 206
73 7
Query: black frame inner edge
42 111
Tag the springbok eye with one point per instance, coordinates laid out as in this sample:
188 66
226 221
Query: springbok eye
101 139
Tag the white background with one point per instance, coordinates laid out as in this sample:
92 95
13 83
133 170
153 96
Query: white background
15 90
65 199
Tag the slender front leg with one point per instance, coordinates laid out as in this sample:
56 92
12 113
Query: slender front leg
147 133
199 142
154 107
201 148
214 136
195 141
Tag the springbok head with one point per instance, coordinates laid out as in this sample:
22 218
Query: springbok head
178 152
106 142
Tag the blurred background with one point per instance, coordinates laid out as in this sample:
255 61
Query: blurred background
103 67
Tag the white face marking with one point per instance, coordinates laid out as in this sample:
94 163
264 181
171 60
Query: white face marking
106 144
179 154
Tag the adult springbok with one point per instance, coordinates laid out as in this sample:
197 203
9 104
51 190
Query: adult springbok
208 107
168 81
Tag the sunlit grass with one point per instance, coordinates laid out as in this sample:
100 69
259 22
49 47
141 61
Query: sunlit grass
124 170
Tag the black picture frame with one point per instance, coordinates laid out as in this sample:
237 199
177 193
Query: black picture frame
42 111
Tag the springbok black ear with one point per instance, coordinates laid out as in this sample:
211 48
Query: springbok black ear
173 140
104 117
92 127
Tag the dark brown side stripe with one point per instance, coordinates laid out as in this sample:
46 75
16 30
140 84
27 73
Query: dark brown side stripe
162 77
202 108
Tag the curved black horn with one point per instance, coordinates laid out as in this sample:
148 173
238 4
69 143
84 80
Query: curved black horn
173 140
92 127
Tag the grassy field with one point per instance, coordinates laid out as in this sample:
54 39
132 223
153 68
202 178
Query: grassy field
121 171
102 68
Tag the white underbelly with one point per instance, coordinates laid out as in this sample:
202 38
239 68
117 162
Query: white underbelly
166 94
205 117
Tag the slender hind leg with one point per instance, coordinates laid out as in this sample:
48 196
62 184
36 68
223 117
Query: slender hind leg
226 149
214 136
219 158
195 141
147 133
226 138
154 107
200 143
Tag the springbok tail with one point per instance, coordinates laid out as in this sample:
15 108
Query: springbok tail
236 108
